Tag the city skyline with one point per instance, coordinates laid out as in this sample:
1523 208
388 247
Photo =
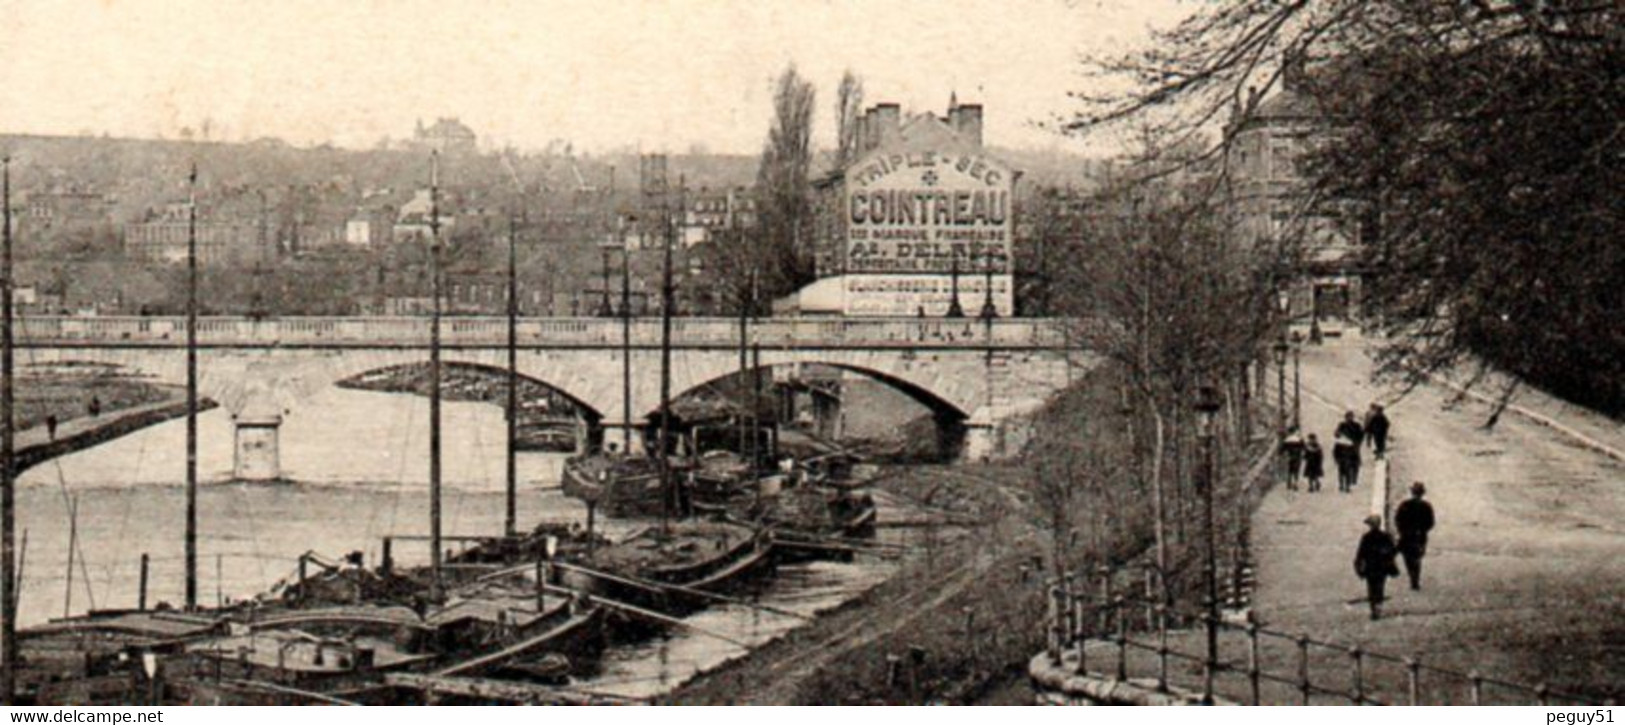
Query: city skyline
355 74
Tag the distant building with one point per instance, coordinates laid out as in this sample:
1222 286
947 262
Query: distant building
733 208
67 206
1270 197
164 238
412 221
372 224
448 136
218 243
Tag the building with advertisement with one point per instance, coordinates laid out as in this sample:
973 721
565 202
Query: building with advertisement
921 220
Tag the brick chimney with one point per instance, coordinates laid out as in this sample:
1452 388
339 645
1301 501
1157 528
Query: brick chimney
866 132
888 122
966 120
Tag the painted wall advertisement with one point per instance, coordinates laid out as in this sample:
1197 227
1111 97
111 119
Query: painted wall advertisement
928 212
896 295
914 220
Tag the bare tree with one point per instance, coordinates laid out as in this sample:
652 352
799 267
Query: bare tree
1176 301
848 119
784 208
1473 145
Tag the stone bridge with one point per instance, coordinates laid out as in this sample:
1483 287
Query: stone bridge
983 374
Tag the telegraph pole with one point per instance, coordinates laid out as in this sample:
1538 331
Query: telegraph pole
510 513
436 583
191 391
666 301
8 443
626 348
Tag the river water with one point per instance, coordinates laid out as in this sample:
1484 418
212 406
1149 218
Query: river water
358 462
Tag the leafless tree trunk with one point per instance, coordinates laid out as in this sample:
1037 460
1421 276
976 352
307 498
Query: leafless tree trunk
848 118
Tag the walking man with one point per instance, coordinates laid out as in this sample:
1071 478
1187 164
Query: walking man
1346 452
1314 463
1376 426
1414 519
1374 562
50 426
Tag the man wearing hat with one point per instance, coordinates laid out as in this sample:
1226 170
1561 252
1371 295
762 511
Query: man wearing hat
1374 562
1414 519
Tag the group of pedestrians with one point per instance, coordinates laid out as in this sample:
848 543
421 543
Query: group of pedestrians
1374 559
1306 459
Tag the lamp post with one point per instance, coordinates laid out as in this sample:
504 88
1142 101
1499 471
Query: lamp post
1280 390
1284 301
954 310
1207 407
989 310
1297 387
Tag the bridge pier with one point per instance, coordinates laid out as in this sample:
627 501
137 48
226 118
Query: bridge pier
989 439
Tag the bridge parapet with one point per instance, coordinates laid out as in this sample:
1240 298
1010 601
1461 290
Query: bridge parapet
568 332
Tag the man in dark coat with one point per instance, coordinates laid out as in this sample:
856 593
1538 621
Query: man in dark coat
1346 452
1374 562
1376 426
1414 519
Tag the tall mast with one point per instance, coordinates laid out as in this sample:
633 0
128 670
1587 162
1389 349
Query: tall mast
626 344
8 554
509 521
435 584
744 330
191 390
666 483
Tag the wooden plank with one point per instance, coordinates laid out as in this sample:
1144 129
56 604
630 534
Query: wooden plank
289 691
500 690
519 648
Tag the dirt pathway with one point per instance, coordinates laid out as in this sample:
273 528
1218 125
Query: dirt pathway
1522 579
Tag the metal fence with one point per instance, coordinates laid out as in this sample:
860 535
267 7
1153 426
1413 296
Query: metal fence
1135 636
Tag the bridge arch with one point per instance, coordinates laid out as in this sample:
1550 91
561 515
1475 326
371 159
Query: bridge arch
498 375
804 396
550 418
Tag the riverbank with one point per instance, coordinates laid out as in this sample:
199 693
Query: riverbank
950 626
66 391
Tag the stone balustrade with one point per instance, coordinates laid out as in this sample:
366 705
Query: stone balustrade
533 332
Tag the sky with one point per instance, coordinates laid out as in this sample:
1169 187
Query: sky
658 75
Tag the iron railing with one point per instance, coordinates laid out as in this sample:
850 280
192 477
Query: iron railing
1266 665
1316 671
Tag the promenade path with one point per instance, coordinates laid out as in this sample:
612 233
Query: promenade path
1524 577
1523 582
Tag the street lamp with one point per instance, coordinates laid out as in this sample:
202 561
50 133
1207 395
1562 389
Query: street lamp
954 310
1206 405
1280 390
989 310
1297 386
1284 301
